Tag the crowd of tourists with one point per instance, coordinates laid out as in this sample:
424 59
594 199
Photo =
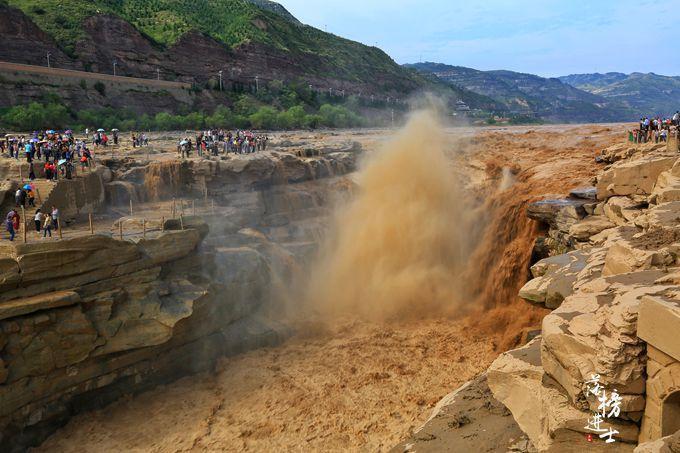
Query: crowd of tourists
216 141
58 152
656 129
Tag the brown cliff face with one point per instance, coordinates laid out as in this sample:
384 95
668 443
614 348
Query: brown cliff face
89 318
23 41
194 58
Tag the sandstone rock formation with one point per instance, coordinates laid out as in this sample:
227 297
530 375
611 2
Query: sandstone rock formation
616 314
89 318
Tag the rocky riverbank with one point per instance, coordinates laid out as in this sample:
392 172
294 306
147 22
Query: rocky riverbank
615 311
89 318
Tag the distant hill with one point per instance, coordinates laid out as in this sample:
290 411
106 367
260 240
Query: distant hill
590 82
251 43
192 40
277 9
546 98
647 94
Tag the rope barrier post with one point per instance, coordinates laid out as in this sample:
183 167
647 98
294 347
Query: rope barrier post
59 227
130 207
163 223
23 216
174 210
120 229
91 226
181 222
143 228
193 206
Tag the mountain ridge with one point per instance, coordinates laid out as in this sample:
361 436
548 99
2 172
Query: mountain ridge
648 93
528 94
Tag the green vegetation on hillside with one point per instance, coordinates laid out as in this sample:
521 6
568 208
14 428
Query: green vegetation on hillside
231 22
247 113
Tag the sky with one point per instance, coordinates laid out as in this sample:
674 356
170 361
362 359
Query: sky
545 37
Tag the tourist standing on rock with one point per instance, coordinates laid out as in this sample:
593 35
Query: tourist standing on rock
31 198
55 217
9 223
37 219
20 197
47 225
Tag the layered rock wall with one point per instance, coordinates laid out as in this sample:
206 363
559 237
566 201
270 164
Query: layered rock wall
87 319
622 256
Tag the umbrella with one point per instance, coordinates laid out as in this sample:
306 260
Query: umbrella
183 142
115 130
100 130
51 131
68 132
28 187
34 140
61 162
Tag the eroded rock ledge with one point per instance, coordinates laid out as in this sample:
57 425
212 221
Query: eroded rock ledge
83 321
90 318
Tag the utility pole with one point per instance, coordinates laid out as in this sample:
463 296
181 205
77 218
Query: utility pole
114 67
158 73
48 59
220 74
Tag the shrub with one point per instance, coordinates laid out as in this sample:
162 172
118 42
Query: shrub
338 116
100 87
166 121
35 116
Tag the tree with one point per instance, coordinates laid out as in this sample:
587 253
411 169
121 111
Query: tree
165 121
264 118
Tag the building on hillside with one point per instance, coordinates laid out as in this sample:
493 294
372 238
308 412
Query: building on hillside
461 106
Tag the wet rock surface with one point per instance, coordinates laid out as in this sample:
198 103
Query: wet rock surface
469 419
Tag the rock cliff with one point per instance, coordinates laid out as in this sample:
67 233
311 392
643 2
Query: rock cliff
89 318
612 283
